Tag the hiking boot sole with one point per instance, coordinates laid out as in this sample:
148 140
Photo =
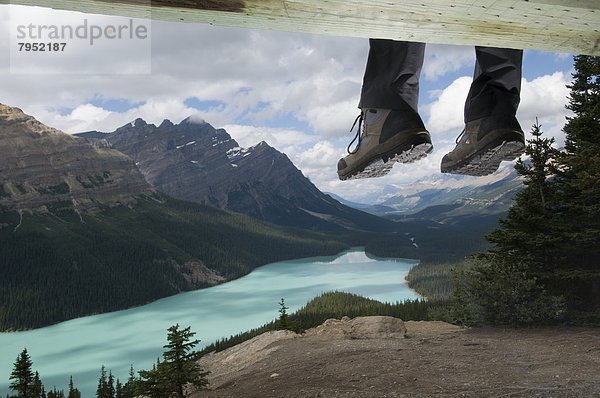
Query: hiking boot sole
382 164
486 162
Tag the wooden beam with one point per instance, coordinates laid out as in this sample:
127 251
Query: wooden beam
568 26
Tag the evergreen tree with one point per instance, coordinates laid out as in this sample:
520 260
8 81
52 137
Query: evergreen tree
282 323
110 387
101 383
54 393
105 387
180 360
578 184
119 389
37 388
154 382
528 234
506 285
73 392
130 386
549 244
177 369
22 375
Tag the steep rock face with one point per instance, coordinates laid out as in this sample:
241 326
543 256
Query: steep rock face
41 167
196 162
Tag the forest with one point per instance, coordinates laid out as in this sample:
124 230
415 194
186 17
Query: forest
56 267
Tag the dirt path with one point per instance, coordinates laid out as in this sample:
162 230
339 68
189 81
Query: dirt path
433 360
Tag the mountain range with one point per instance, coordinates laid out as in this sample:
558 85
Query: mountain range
193 161
82 232
89 224
443 197
442 218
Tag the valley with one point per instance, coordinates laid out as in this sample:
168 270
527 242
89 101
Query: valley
119 339
79 218
87 229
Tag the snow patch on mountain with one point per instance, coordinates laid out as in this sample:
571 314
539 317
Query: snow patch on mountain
237 153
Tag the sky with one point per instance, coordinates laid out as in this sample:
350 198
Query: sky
298 92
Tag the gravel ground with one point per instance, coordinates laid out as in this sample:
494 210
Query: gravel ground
434 359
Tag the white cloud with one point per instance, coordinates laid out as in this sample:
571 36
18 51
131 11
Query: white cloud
545 98
334 120
258 77
446 112
278 138
318 163
89 117
292 73
442 59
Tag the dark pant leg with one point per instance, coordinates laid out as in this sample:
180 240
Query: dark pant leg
496 83
392 75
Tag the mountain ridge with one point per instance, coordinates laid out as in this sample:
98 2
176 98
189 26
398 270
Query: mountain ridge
77 242
444 196
194 161
42 166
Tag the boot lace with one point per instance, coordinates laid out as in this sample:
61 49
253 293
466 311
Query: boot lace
460 136
358 136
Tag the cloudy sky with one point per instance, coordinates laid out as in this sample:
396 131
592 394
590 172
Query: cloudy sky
298 92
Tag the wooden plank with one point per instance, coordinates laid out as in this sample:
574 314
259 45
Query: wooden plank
568 26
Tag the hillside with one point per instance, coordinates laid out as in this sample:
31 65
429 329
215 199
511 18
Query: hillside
384 357
194 161
83 233
41 166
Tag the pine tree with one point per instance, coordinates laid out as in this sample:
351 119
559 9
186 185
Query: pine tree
180 360
105 387
119 389
527 231
37 388
549 244
506 285
73 392
177 369
110 386
578 184
282 323
101 383
54 393
155 382
130 386
22 375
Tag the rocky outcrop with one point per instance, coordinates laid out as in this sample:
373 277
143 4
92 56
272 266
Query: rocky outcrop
226 364
196 162
373 327
274 350
43 168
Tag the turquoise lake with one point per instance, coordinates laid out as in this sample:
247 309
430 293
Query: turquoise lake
135 336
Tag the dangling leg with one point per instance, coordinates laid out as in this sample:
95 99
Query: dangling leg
492 133
392 130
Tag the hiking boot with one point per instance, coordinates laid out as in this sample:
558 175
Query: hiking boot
482 145
387 136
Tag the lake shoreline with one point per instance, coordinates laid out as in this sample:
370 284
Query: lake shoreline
135 335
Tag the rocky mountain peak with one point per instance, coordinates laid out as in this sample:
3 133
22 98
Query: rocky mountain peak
139 122
193 120
194 161
11 117
166 124
10 113
42 168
